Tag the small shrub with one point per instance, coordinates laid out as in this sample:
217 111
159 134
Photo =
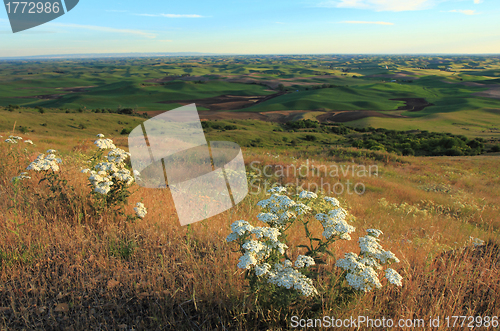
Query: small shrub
126 131
495 149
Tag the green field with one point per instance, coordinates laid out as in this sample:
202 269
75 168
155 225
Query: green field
463 90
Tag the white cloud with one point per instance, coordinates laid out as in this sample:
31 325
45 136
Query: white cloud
106 29
465 11
381 5
478 1
171 15
365 22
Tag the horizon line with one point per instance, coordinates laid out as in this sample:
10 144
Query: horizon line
146 54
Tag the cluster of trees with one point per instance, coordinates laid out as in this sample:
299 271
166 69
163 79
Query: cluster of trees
423 143
207 125
302 124
336 128
419 143
318 87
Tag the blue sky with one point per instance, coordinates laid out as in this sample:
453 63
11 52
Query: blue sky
264 27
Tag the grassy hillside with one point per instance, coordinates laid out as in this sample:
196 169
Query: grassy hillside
62 267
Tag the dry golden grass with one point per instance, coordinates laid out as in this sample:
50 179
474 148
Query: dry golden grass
66 269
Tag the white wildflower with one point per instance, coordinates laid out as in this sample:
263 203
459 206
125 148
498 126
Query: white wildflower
266 232
369 245
105 144
253 246
124 176
333 201
11 141
232 237
140 210
476 241
241 227
277 189
23 175
247 260
100 135
282 274
302 209
307 195
28 142
43 163
304 261
262 269
374 232
117 155
387 257
366 280
338 214
267 217
393 277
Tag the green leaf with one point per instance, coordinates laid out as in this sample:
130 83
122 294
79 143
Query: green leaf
329 253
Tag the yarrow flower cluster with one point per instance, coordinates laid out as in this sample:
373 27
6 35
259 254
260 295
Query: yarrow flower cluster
281 210
304 261
104 143
107 174
264 254
335 224
282 274
307 195
476 241
23 175
13 139
45 162
362 269
255 251
111 178
140 210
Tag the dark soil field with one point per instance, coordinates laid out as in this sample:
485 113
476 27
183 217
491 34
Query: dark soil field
227 102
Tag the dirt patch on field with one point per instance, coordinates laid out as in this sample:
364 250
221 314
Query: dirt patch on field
491 93
77 89
274 83
273 116
43 96
353 115
394 76
172 78
471 84
227 102
413 104
33 88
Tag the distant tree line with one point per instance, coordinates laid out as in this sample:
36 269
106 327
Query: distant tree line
209 125
418 143
423 143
